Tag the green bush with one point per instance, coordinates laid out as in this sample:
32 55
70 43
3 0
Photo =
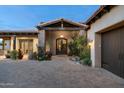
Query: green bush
41 54
14 54
77 44
78 47
73 49
86 61
85 53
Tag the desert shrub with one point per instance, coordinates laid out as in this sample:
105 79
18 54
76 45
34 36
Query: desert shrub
77 44
78 47
85 53
48 55
85 56
14 54
41 54
73 49
86 61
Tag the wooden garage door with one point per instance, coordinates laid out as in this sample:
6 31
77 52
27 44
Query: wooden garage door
113 51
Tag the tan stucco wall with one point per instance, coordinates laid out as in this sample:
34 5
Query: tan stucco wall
116 15
35 42
51 37
11 43
41 38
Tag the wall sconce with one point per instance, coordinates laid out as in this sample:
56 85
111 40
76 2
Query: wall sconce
90 42
61 36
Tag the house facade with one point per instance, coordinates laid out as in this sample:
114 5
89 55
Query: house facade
55 35
106 38
24 40
105 32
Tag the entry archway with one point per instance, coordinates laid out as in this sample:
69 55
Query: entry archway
61 46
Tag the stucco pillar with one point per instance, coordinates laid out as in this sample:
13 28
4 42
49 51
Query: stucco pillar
41 38
95 46
11 46
97 50
35 44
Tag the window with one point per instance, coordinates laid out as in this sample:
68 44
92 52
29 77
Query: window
4 44
7 44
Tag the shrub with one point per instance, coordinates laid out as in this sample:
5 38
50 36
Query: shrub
48 55
78 47
14 54
73 49
87 61
85 56
41 54
85 53
77 44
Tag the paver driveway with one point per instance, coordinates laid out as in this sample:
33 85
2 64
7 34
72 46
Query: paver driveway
57 73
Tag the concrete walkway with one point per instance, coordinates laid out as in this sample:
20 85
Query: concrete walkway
58 73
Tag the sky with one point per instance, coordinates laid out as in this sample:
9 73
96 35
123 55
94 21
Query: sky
28 16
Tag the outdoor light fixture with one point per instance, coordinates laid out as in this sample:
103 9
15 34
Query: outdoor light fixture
90 42
61 36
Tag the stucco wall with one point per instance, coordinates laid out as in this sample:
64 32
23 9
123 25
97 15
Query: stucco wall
116 15
41 38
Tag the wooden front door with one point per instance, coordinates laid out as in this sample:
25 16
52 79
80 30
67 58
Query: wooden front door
61 46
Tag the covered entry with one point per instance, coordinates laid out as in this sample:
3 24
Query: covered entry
54 35
113 51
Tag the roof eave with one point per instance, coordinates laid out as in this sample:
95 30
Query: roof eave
95 16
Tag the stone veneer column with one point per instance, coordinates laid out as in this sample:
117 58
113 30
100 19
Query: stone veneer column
41 38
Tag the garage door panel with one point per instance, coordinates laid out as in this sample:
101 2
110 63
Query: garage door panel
121 58
110 51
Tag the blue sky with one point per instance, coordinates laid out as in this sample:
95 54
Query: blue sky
27 17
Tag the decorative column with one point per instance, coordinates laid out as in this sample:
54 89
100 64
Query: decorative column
14 42
41 38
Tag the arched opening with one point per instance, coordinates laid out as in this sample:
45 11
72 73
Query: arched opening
61 46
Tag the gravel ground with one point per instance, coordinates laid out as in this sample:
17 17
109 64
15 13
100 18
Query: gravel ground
58 73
